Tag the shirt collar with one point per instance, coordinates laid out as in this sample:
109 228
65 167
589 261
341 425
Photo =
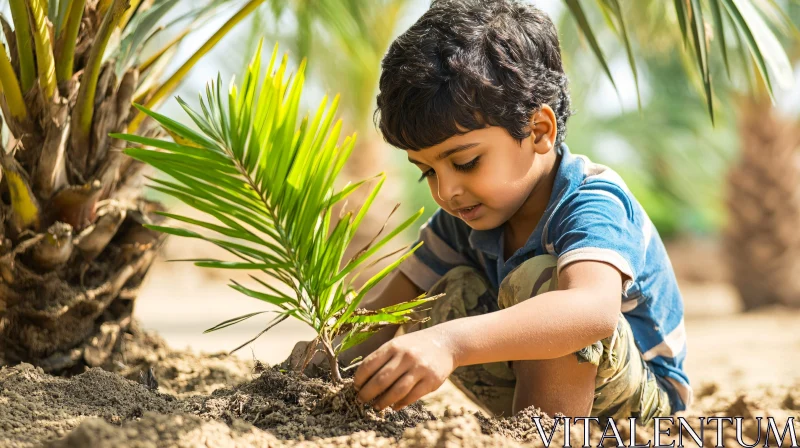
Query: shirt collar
568 174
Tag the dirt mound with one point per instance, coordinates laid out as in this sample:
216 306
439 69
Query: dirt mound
179 372
156 431
179 431
35 406
293 406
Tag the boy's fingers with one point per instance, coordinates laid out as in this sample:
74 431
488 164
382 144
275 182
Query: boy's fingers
369 366
382 379
420 390
399 389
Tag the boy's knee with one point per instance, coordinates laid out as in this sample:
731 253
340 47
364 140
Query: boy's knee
466 293
533 277
460 273
460 283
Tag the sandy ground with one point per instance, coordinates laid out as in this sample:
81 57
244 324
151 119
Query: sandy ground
739 364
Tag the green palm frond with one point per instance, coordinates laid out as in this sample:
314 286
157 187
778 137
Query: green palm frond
267 177
84 106
68 37
142 27
146 26
9 86
750 21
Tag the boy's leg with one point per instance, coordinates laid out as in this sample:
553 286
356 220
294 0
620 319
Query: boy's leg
565 384
555 385
623 384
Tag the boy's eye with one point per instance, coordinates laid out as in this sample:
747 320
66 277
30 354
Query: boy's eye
465 167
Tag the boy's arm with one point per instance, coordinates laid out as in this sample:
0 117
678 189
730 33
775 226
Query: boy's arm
547 326
584 310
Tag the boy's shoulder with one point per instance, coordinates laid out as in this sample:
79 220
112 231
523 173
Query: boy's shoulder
580 176
593 190
594 216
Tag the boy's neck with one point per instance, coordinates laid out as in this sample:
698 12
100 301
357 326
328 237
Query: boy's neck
519 227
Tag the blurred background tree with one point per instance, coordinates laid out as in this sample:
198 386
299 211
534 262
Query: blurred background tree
761 241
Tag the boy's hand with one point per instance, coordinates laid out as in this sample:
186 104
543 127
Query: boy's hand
404 369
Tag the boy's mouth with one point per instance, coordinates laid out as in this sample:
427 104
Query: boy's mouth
469 213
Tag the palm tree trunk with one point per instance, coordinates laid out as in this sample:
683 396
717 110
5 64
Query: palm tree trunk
763 199
74 249
73 246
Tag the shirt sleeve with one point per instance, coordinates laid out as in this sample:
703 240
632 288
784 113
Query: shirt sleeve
445 245
599 222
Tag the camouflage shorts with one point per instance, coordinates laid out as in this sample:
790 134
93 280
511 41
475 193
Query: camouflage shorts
625 386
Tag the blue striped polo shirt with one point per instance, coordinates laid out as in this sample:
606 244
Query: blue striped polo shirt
591 215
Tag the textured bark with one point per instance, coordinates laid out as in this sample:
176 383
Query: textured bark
69 277
763 199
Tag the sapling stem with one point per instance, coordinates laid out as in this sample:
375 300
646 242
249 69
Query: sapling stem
333 361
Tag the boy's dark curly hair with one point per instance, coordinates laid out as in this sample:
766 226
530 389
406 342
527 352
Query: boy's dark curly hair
470 64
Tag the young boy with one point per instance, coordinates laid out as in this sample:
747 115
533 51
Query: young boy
559 292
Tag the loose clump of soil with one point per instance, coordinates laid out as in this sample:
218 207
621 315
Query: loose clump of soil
522 426
454 430
293 406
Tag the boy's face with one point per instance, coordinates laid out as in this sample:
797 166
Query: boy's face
489 170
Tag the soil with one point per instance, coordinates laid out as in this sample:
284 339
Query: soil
216 400
179 372
738 365
220 401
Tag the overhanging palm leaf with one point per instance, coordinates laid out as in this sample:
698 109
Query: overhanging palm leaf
269 180
750 21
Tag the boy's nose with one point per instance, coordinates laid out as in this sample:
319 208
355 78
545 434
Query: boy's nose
448 189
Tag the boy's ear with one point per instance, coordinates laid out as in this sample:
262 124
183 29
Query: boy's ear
544 129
